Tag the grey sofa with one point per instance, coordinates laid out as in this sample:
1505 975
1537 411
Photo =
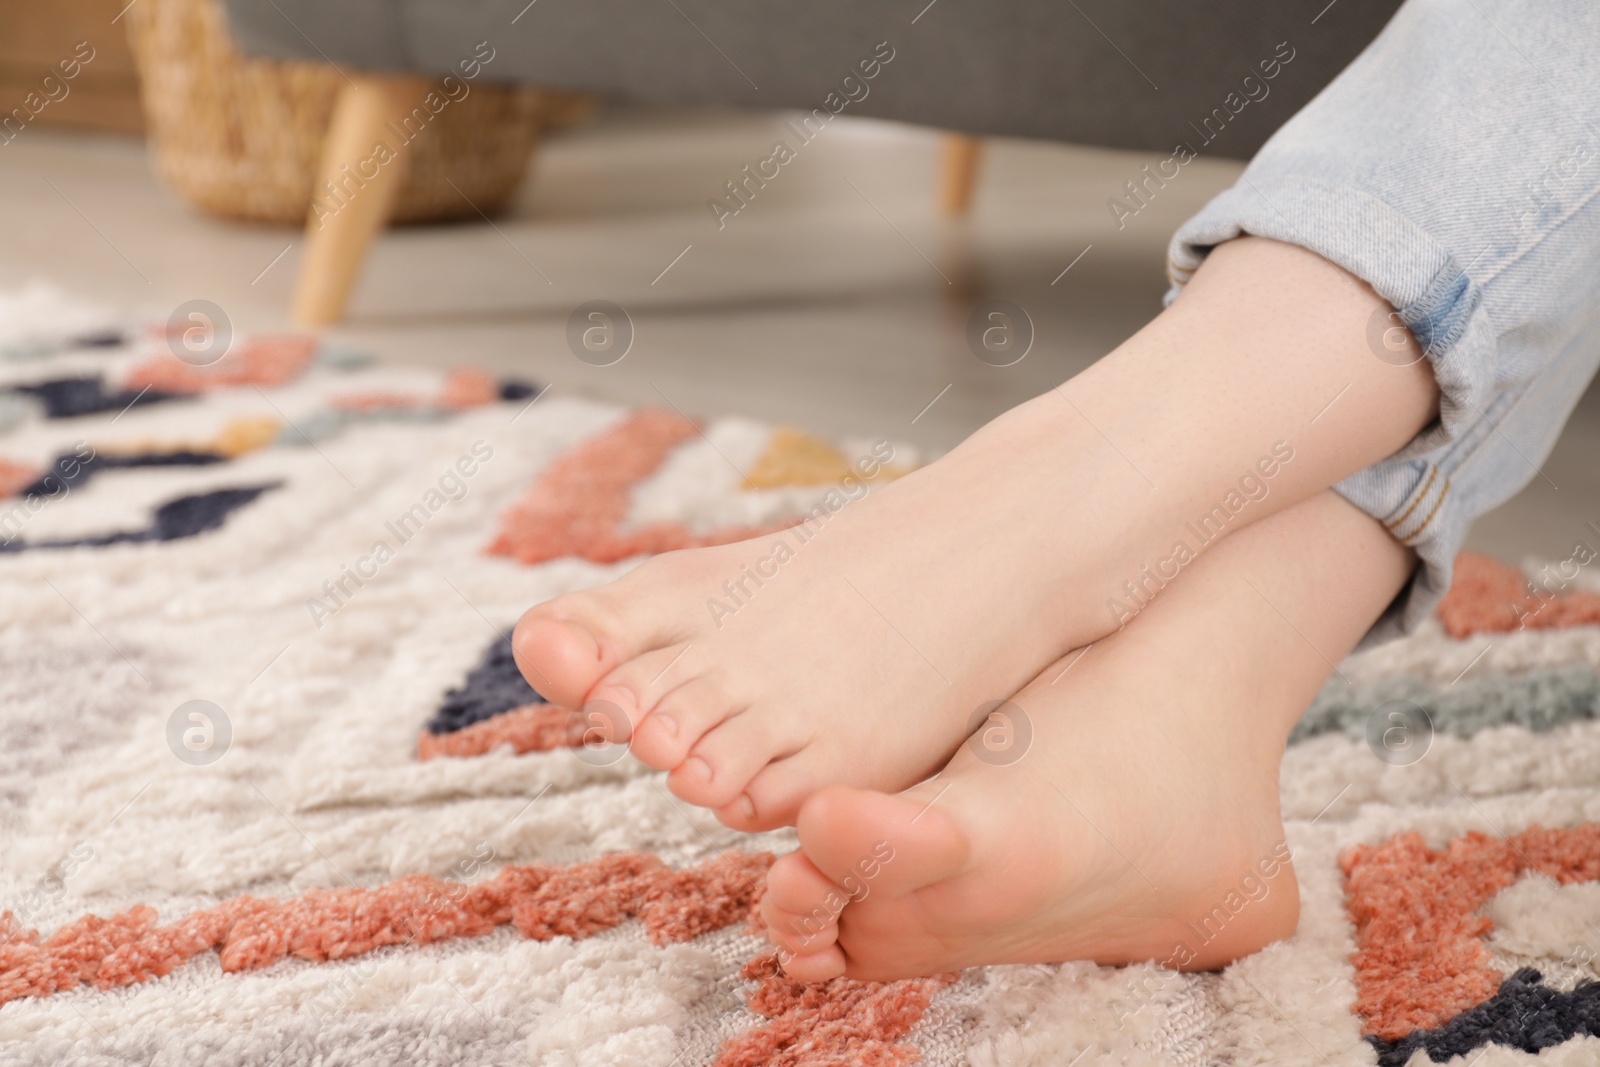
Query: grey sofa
1142 75
1119 74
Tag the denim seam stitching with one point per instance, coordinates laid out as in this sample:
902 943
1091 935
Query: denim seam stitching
1422 494
1412 537
1425 309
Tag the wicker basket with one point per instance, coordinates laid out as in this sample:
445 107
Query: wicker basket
241 137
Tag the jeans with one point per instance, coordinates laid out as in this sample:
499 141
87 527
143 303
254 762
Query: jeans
1454 166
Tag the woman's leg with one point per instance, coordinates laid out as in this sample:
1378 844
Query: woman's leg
1455 165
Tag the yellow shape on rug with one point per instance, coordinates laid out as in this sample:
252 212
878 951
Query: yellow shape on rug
794 457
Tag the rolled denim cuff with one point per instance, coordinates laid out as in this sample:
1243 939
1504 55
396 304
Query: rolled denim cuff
1411 491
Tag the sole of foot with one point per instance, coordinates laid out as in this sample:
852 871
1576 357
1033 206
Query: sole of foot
1130 809
1126 832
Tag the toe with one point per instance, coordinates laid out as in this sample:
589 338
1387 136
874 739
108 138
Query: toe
723 762
560 659
817 967
630 692
801 907
796 886
772 798
868 842
564 646
802 935
680 719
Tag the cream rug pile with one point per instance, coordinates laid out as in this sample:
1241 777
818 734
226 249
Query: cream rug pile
272 793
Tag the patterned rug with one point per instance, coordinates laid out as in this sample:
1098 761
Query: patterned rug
272 792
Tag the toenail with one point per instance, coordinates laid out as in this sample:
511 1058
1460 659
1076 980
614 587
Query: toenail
697 768
747 807
666 724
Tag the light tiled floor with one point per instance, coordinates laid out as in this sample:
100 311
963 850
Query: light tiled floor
837 300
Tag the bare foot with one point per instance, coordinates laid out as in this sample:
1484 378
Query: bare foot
1141 822
862 642
861 650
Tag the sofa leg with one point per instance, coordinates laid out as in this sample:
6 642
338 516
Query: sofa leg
341 225
960 156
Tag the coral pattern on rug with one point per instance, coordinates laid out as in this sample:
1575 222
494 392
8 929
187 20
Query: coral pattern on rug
261 361
1488 596
537 727
838 1023
1420 957
580 503
250 933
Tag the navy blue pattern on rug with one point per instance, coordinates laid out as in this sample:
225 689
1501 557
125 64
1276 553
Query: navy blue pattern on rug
65 398
69 470
1525 1014
181 517
495 685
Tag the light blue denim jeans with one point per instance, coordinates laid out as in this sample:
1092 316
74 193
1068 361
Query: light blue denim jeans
1454 166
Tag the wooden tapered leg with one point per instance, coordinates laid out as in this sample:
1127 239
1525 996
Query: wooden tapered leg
364 179
958 175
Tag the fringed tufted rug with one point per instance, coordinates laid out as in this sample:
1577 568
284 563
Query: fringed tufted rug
271 790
